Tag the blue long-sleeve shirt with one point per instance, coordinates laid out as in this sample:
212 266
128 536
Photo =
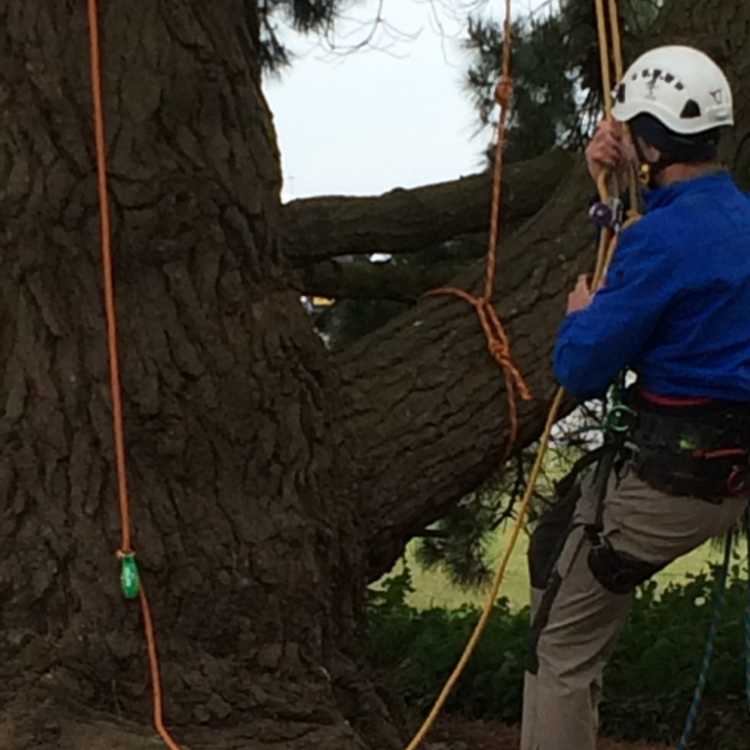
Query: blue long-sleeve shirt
675 307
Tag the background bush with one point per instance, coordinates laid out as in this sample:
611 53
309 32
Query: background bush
648 684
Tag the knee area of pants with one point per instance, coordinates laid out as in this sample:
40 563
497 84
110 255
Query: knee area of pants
564 675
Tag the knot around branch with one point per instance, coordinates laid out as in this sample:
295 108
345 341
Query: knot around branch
498 345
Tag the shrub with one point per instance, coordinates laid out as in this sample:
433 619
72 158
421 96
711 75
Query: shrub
649 681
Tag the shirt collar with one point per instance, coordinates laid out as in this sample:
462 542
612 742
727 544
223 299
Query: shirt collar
660 197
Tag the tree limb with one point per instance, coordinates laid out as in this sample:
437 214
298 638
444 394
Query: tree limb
375 281
407 221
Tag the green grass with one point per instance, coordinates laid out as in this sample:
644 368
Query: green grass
433 589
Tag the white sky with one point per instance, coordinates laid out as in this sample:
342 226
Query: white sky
374 120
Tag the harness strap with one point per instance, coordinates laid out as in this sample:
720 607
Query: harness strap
675 401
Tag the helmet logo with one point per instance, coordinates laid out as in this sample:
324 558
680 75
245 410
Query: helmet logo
718 96
655 76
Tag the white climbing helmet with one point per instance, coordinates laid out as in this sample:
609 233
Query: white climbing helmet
681 87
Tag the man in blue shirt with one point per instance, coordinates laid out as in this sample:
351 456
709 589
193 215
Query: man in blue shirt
674 309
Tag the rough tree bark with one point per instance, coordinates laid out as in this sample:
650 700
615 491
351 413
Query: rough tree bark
269 480
250 542
407 221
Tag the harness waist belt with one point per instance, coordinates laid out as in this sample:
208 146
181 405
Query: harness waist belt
699 448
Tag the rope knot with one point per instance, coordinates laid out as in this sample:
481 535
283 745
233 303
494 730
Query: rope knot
500 351
504 91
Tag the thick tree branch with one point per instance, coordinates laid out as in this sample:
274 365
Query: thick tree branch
407 221
371 281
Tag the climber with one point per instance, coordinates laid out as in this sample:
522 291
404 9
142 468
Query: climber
673 310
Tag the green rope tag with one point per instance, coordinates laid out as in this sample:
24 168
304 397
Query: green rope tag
130 581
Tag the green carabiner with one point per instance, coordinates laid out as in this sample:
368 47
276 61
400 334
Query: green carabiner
130 581
620 418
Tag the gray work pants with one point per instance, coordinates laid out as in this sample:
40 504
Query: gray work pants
561 700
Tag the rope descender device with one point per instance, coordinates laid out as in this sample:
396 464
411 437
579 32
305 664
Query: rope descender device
609 214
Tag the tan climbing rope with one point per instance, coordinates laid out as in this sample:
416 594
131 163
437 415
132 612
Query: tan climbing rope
607 248
125 553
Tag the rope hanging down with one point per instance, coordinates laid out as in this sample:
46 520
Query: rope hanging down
719 600
498 342
609 238
610 247
132 586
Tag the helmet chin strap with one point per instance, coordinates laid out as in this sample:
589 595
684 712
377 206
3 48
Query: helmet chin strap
650 170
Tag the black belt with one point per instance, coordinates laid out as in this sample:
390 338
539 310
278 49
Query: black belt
700 451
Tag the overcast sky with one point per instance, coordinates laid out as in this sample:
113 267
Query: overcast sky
373 120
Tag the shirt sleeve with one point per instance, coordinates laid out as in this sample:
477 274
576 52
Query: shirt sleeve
595 344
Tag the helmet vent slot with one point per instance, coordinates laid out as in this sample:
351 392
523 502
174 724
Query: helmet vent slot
690 110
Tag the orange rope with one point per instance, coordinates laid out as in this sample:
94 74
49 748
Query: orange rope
109 302
114 367
153 658
498 342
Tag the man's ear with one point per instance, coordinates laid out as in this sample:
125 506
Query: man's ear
650 153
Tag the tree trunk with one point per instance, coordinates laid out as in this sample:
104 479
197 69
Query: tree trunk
269 481
244 523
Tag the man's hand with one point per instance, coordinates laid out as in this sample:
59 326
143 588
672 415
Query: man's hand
609 149
580 298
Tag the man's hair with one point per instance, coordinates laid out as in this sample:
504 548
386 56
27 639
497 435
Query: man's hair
675 147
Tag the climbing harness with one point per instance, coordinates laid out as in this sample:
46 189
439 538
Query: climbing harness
698 450
614 569
692 447
130 580
607 248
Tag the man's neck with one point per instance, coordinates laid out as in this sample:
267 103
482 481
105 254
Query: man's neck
684 172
